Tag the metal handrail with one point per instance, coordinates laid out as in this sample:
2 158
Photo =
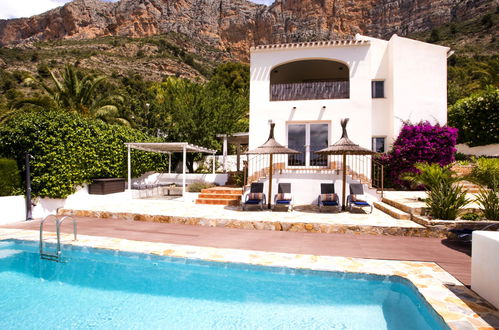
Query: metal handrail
58 223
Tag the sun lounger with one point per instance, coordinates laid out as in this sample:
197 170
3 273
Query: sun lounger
328 198
255 196
283 196
356 199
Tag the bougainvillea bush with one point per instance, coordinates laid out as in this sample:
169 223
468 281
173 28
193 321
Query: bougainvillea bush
418 143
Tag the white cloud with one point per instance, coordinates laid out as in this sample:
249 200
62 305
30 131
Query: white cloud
27 8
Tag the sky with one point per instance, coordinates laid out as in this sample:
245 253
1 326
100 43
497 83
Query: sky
26 8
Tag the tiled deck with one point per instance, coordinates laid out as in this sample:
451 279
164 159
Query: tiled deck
459 306
302 219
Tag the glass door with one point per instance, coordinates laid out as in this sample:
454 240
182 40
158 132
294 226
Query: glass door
307 139
297 140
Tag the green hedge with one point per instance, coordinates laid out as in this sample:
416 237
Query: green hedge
10 184
477 118
70 150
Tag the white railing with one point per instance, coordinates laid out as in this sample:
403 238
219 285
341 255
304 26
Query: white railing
317 90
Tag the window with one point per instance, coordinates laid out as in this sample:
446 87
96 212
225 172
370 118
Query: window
378 144
307 139
378 89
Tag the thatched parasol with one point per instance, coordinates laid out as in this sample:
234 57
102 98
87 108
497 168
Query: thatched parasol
345 147
271 147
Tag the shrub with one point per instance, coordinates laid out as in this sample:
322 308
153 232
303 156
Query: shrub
417 143
471 216
197 186
70 150
477 118
486 172
445 200
10 184
430 175
489 203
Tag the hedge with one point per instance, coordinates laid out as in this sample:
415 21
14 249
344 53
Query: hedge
70 150
477 118
10 184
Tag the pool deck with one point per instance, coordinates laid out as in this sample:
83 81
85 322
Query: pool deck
457 305
454 258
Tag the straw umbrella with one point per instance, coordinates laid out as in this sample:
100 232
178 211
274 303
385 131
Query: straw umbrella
344 147
271 147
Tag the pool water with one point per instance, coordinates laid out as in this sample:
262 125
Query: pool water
102 289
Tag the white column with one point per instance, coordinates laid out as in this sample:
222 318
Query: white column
224 152
213 163
169 162
184 155
129 172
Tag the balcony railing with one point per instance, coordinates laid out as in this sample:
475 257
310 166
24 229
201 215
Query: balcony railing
319 90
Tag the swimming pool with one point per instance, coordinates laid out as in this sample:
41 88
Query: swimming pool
108 289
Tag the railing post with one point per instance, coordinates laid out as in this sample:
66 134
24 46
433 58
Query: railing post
382 179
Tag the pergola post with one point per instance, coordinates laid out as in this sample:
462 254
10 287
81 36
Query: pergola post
169 162
184 157
213 163
129 171
238 159
225 153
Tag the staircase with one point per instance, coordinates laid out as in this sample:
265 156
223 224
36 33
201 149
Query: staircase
220 196
469 187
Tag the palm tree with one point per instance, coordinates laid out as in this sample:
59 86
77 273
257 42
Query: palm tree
77 92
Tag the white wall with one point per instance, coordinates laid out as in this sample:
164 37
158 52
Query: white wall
218 178
305 188
419 73
491 150
415 75
13 209
357 107
485 265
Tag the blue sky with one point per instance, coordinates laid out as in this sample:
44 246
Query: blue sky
26 8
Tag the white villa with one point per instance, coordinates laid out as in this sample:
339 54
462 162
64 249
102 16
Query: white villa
306 88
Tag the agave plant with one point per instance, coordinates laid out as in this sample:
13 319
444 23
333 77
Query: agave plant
430 175
445 200
445 197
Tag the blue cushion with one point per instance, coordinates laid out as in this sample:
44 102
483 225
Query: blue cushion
329 203
361 203
253 201
282 201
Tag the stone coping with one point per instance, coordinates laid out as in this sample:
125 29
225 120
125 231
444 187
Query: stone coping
459 307
477 224
293 225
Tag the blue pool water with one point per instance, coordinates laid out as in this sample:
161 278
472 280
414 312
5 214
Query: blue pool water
101 289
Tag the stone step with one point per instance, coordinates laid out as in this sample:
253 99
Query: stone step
392 211
220 196
402 207
217 201
223 191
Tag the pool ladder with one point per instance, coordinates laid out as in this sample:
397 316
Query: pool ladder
58 222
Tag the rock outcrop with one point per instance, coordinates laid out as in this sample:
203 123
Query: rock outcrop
235 25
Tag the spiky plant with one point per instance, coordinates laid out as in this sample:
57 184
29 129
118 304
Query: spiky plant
445 200
430 175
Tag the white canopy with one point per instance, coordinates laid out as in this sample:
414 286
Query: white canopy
166 148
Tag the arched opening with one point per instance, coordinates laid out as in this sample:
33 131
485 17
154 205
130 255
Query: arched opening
310 80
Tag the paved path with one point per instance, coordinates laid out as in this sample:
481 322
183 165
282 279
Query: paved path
453 259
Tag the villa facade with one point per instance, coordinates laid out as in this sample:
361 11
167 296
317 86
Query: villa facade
306 88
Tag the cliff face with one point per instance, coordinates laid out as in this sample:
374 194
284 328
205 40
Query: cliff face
235 25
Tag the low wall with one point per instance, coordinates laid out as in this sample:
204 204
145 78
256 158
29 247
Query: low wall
219 179
491 150
13 209
485 265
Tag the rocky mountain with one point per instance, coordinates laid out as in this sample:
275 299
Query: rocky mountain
232 26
